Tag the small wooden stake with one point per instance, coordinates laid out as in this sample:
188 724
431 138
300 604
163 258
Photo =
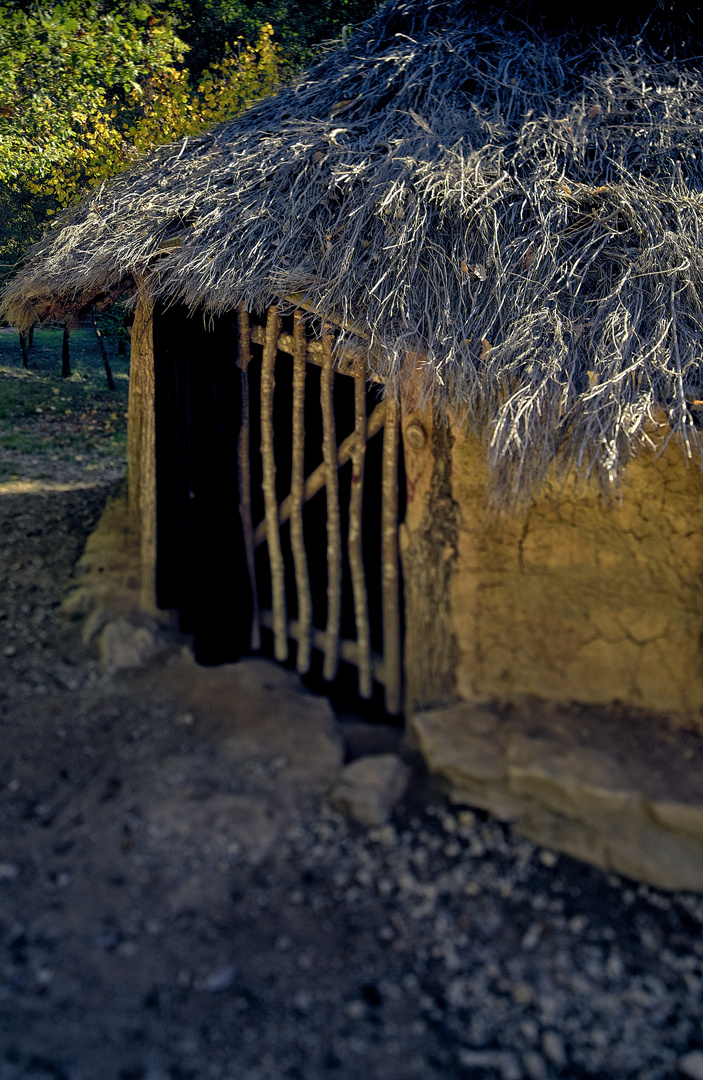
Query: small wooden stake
278 588
389 560
334 529
243 361
356 559
297 495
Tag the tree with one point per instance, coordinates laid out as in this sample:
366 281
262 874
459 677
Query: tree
83 91
85 88
207 26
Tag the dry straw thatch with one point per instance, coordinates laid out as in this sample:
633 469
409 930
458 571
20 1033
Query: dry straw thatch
517 211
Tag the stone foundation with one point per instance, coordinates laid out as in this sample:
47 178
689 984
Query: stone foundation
107 594
620 790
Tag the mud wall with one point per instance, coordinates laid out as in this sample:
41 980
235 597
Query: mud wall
578 600
572 600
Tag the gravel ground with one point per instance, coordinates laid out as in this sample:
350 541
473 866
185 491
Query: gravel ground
440 945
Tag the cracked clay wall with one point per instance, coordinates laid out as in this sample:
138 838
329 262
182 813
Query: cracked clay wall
573 600
577 600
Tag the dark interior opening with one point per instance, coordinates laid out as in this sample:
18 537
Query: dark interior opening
201 567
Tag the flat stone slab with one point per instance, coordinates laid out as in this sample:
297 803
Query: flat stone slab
255 711
623 792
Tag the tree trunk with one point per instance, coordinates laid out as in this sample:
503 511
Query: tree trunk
23 348
66 353
30 338
103 353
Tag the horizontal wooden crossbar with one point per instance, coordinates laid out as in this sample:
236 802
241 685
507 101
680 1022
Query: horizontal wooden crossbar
345 365
348 649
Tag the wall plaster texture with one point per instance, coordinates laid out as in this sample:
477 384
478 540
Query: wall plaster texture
575 599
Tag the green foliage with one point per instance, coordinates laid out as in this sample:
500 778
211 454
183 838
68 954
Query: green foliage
63 74
85 90
207 26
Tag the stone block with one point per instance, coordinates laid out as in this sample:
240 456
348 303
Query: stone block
465 745
261 711
590 788
369 788
568 778
679 817
123 645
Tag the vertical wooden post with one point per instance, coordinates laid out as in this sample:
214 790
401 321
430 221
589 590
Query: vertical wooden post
389 560
273 539
141 448
356 559
244 358
103 352
334 529
297 492
24 348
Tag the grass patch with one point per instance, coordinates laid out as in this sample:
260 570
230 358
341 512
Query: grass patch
60 427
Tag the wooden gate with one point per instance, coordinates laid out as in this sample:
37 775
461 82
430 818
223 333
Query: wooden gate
300 350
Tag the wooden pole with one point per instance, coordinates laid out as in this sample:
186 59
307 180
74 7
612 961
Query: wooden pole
103 353
389 560
334 529
297 495
141 448
243 361
316 480
356 559
278 589
66 353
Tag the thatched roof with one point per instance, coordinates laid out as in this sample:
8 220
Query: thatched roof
517 210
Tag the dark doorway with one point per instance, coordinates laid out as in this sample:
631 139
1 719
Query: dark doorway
201 558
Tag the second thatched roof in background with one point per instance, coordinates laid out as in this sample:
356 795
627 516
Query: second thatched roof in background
519 212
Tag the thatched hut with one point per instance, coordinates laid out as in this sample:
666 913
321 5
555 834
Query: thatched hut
443 290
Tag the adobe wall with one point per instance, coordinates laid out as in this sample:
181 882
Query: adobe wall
573 600
576 600
553 659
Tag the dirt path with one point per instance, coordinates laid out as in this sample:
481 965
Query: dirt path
177 902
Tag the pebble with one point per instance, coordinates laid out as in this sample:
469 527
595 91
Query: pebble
531 938
355 1010
535 1065
302 1002
217 980
503 1062
691 1065
553 1048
